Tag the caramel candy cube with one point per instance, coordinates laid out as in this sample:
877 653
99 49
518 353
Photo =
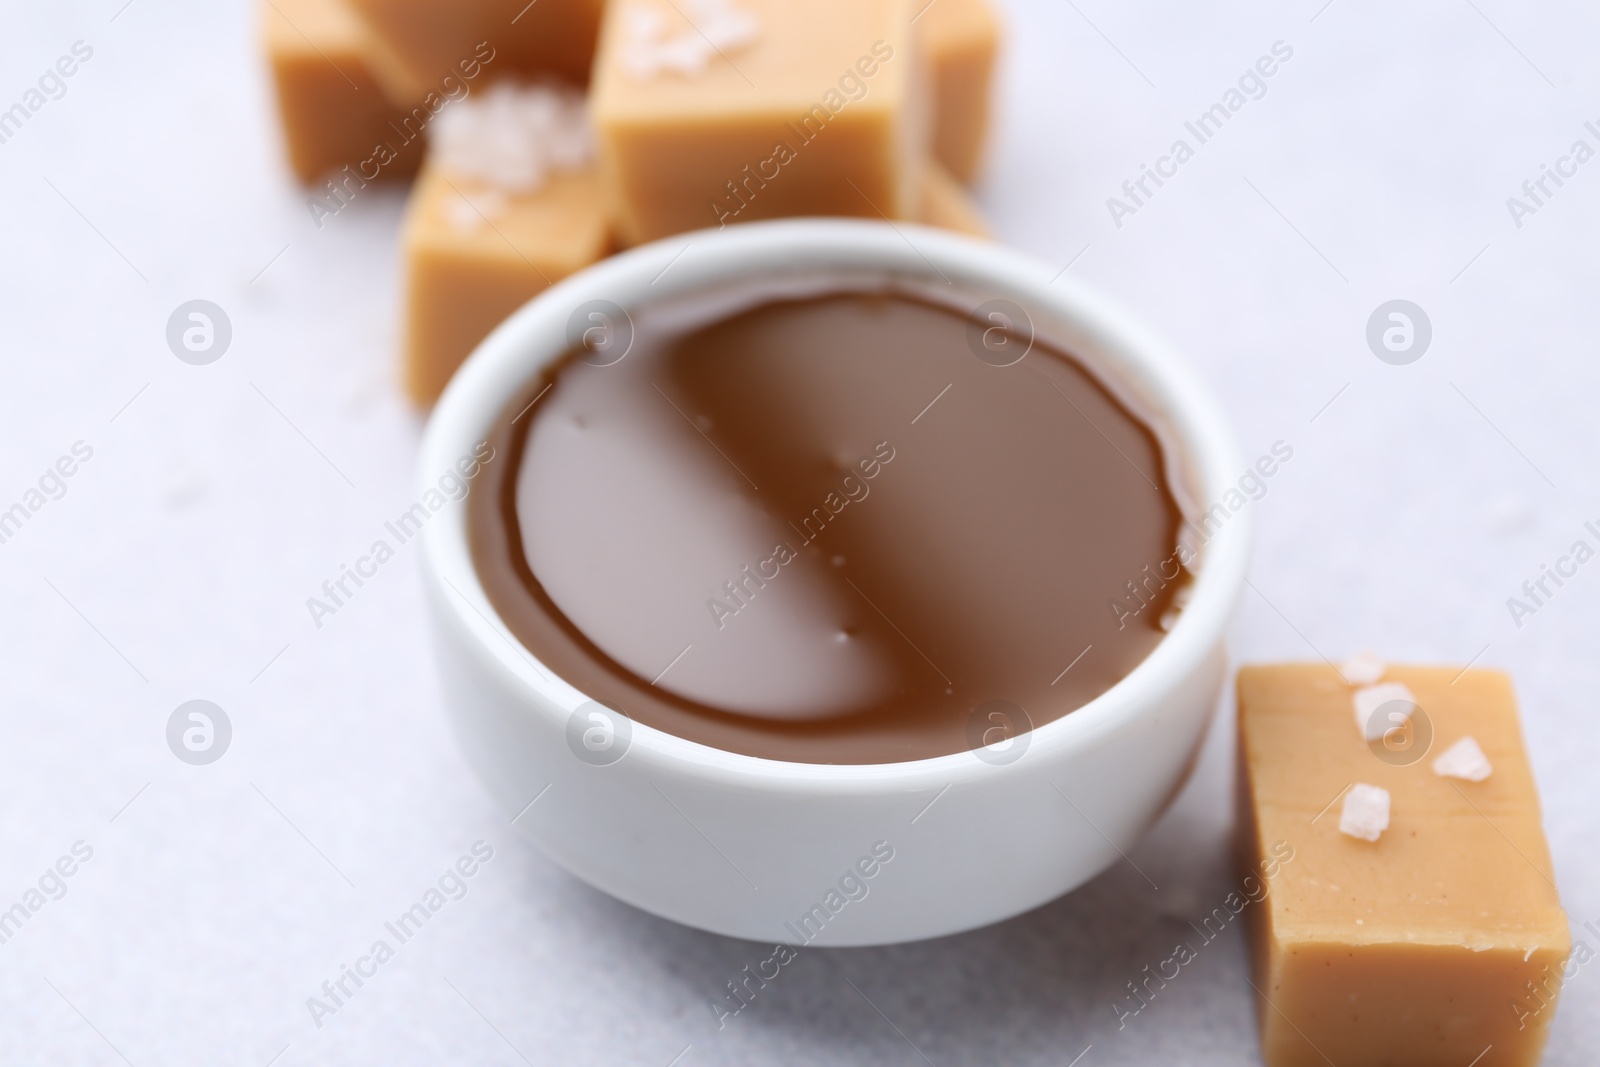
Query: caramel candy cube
419 43
475 253
727 111
334 113
961 39
947 205
1440 944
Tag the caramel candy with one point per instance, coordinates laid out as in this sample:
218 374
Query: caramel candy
1439 944
758 109
961 39
418 43
947 205
333 112
474 253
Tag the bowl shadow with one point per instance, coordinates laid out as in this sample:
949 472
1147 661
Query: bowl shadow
1042 987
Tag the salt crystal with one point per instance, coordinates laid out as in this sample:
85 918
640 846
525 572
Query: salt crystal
1464 760
468 213
1363 668
715 27
1366 812
1366 703
513 137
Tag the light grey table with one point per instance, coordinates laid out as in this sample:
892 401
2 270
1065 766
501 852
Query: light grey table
1377 165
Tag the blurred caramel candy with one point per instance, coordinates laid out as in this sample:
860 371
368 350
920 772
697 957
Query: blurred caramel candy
333 112
474 253
416 44
947 205
1440 944
464 275
961 39
732 110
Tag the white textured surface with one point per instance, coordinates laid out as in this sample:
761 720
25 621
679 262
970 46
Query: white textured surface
190 541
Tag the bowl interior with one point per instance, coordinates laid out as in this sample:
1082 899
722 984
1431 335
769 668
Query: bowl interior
720 265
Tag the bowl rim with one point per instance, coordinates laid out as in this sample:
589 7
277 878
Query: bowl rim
698 261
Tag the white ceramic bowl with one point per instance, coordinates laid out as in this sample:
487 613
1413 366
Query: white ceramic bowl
778 851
